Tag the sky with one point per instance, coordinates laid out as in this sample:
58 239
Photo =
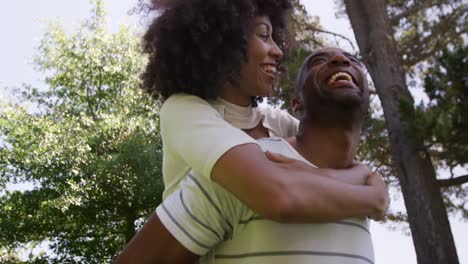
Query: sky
22 25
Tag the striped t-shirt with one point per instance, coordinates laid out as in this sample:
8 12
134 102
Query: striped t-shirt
211 222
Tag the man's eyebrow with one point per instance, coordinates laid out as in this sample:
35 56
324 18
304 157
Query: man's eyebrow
318 54
347 54
313 56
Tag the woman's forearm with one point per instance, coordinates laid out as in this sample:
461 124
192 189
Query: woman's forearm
291 192
321 199
356 174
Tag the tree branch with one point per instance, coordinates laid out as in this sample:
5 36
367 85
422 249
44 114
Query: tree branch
442 33
314 28
453 181
416 7
396 217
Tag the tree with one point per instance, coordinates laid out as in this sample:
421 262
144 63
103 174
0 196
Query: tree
87 146
304 37
423 28
445 118
426 212
443 122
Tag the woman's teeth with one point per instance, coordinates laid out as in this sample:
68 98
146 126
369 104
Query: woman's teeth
340 76
269 69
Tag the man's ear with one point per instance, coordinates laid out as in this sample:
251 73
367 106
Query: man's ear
296 105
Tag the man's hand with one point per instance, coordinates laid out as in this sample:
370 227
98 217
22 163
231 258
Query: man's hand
382 198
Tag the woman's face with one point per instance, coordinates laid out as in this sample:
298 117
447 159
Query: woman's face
259 72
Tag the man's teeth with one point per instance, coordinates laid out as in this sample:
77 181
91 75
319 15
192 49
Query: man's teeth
341 76
269 69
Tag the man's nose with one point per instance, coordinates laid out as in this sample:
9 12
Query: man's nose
339 59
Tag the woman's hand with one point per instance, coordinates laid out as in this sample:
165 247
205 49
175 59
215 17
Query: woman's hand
382 198
278 158
357 174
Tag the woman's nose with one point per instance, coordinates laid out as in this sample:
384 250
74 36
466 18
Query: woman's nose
276 52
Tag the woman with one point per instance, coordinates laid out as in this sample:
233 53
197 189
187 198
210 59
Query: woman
210 60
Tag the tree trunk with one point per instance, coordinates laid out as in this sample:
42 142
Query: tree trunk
430 228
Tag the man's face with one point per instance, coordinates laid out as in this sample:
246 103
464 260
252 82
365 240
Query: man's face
334 77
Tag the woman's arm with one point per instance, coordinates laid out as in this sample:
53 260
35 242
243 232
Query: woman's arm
292 192
284 192
357 174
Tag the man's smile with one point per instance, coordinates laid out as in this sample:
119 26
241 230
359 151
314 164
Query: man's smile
342 79
340 76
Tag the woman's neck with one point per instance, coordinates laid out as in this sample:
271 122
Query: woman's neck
243 117
232 95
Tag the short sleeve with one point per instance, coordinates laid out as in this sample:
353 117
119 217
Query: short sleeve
279 122
200 214
194 137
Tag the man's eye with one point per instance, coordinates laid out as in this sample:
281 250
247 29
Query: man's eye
316 61
355 60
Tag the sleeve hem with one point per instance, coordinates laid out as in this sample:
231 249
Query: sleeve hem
179 235
215 156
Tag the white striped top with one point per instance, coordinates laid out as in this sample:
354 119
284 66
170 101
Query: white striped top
211 222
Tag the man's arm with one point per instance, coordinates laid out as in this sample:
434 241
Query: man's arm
188 224
155 244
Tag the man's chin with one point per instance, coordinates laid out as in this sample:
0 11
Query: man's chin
346 96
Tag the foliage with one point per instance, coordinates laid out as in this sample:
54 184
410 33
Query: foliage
427 212
446 115
282 96
443 122
87 148
423 28
306 37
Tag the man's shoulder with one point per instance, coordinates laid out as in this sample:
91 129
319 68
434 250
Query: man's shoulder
273 140
279 121
277 145
281 146
273 112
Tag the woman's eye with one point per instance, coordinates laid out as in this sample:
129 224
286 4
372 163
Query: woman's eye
265 36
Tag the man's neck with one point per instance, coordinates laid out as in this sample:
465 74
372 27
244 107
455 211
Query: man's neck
332 147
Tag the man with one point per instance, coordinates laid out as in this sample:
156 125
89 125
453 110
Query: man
332 100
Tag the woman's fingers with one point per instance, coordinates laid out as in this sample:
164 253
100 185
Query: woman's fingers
275 157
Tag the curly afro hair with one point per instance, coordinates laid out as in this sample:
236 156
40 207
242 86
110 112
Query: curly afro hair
197 46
